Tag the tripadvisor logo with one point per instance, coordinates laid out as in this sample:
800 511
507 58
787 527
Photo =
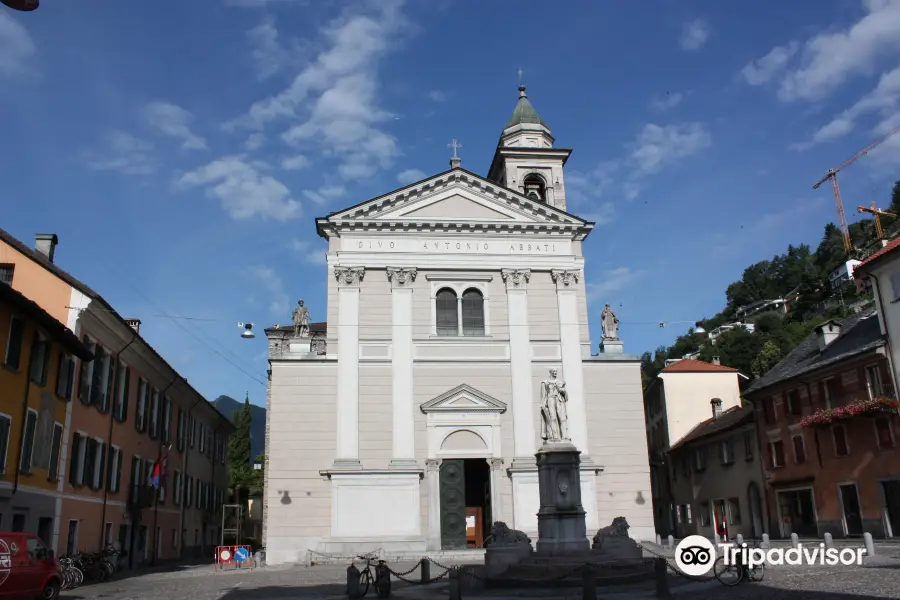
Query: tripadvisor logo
695 555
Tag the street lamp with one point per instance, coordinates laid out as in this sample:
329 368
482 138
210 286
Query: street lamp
247 334
22 5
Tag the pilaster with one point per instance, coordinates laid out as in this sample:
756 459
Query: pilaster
348 280
497 490
516 281
404 453
432 476
570 344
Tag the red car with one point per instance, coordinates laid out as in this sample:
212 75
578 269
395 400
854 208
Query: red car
28 568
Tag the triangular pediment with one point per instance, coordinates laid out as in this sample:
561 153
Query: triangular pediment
463 398
455 198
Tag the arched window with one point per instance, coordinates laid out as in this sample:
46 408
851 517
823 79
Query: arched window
447 314
473 312
535 188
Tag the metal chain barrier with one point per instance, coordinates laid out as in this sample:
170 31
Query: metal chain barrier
674 568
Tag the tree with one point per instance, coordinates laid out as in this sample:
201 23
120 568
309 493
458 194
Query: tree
768 357
240 471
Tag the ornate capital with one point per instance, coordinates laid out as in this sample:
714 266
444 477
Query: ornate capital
349 276
432 465
401 277
496 463
565 279
516 279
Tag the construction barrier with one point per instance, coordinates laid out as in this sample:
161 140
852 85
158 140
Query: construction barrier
237 557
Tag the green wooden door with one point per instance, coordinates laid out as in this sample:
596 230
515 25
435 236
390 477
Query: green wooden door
453 505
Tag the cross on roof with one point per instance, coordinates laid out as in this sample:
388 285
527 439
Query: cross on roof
454 144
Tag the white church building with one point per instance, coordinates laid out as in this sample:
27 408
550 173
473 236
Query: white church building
409 420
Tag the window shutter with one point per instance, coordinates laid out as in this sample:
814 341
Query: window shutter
110 384
61 372
101 466
110 472
126 389
73 459
84 383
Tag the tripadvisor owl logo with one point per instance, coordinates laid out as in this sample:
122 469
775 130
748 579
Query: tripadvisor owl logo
695 555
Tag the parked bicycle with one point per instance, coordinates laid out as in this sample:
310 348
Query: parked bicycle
94 567
379 578
733 572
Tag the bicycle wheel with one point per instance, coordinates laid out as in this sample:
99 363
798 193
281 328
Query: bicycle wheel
727 574
365 578
757 573
79 576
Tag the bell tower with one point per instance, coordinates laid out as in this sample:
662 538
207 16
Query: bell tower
526 161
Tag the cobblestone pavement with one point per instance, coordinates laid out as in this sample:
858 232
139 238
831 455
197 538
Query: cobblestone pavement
880 579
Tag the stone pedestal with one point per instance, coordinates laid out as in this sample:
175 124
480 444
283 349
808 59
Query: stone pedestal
561 518
612 347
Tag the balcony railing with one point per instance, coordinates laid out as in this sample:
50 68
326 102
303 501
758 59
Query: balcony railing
864 407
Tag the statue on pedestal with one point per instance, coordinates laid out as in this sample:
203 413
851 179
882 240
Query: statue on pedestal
554 417
301 320
609 323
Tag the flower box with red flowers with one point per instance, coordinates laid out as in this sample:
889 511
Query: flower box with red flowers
859 408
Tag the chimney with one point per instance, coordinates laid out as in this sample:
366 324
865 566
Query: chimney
716 404
715 360
134 324
826 333
45 243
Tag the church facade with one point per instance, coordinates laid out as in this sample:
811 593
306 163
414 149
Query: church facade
409 421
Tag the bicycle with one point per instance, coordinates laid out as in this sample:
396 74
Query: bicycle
731 573
380 580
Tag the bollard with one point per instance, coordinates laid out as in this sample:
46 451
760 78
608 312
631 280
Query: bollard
740 539
383 579
765 541
309 558
795 540
671 542
829 541
425 568
662 579
658 540
455 584
588 583
352 581
870 544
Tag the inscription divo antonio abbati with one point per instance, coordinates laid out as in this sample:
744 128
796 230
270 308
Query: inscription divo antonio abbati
455 246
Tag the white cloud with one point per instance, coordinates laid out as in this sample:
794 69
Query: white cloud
762 70
254 141
294 163
334 97
273 286
17 49
410 176
264 3
437 96
243 190
172 120
668 101
614 281
884 100
830 58
125 153
694 35
655 148
324 194
658 146
269 52
308 253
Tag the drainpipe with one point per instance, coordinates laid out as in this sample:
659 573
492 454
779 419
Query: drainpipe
187 455
34 340
161 474
109 441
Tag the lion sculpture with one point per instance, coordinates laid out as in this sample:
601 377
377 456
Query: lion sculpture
618 530
502 535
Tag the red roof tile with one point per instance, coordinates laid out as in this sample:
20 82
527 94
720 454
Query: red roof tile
889 248
689 365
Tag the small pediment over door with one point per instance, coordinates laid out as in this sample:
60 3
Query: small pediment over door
466 399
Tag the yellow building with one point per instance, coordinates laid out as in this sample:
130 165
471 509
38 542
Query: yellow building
37 372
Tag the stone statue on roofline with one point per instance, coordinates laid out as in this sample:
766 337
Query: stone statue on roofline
300 318
610 323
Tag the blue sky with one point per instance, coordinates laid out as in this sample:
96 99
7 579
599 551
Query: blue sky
182 150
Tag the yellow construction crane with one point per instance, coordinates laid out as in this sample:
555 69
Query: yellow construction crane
876 213
836 189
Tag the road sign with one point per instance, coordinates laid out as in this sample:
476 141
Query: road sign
241 555
225 555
